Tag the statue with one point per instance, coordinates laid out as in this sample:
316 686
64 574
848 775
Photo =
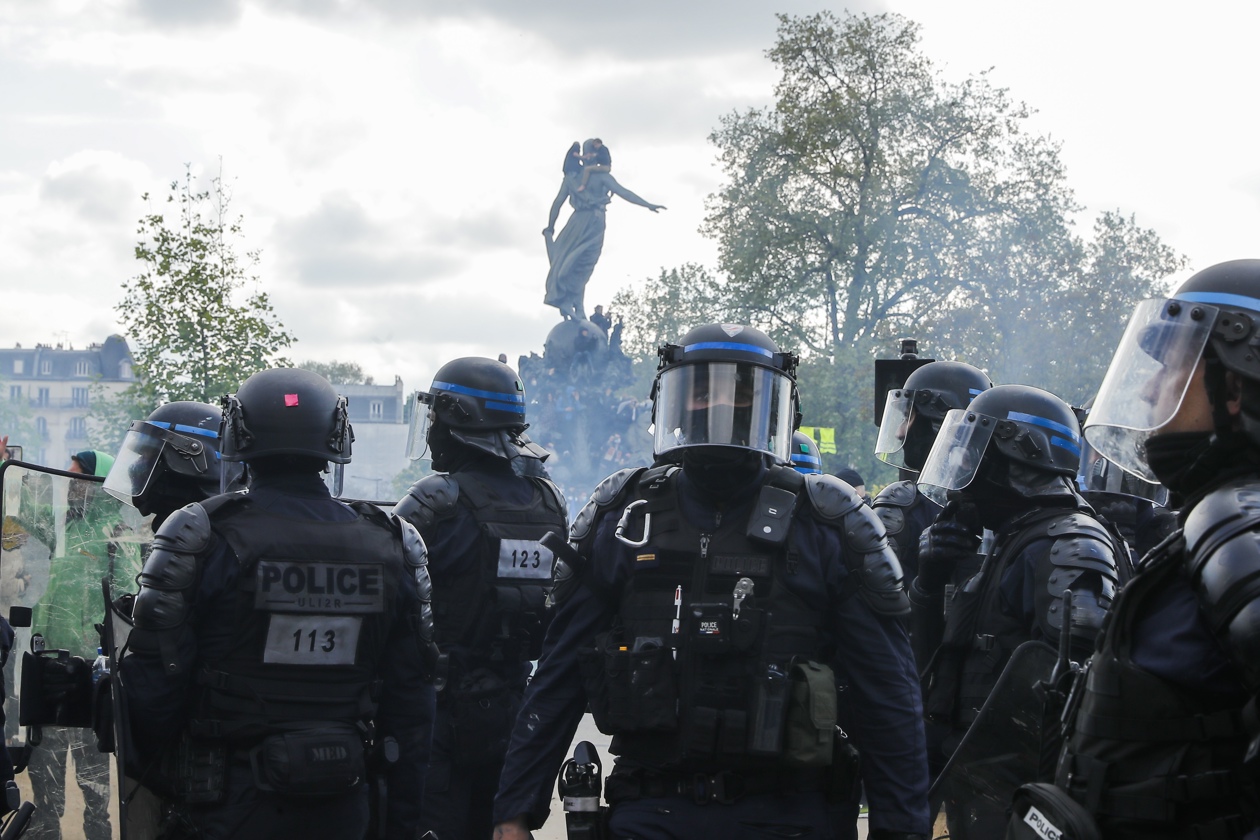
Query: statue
589 186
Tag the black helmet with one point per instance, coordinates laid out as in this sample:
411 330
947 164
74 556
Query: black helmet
286 411
171 458
475 401
1214 317
1030 433
914 412
805 455
725 385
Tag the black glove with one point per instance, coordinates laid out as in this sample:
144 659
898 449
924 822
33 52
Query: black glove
942 544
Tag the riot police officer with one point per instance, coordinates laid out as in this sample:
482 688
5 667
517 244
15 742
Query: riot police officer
171 459
1006 463
482 523
805 457
701 595
1156 746
283 640
912 418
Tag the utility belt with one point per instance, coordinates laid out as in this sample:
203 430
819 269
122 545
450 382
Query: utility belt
480 709
724 787
318 759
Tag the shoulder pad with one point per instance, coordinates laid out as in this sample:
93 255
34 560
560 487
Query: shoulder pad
899 494
830 498
549 488
1086 553
415 552
605 493
185 530
429 500
871 559
1220 516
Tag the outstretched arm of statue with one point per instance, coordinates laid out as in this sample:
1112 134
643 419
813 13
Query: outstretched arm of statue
615 187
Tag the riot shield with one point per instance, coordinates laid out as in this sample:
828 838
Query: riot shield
1000 751
62 536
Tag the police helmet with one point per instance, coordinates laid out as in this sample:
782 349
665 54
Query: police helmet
1024 439
725 385
805 455
475 401
286 411
1214 317
171 458
914 412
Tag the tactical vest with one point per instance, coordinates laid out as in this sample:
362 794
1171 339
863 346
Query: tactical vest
709 651
315 603
979 635
1148 758
495 604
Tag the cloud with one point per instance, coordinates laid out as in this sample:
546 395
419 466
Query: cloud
189 13
95 186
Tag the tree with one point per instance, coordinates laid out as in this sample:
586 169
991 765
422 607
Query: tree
876 200
338 373
197 321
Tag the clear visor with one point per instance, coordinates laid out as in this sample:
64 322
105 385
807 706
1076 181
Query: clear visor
135 465
1147 379
893 428
956 454
1098 475
724 404
421 419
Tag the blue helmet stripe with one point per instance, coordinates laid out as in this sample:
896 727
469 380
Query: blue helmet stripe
805 459
188 430
473 392
975 392
513 408
1066 444
1044 423
729 345
1220 299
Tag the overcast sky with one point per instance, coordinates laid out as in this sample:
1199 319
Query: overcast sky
394 160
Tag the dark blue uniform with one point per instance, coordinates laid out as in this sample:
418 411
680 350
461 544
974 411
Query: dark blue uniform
872 659
159 703
457 795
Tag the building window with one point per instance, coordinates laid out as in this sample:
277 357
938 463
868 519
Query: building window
79 397
15 393
45 367
41 427
124 370
376 409
82 367
42 399
78 428
19 365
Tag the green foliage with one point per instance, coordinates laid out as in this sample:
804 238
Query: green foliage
338 373
196 331
877 200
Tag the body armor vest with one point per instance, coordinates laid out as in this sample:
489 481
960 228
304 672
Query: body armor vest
979 635
1148 758
494 605
706 645
315 602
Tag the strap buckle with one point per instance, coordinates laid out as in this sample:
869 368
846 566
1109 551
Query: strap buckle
719 788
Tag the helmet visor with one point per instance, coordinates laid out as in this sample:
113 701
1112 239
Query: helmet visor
1147 379
1098 475
421 420
136 463
893 428
724 404
956 454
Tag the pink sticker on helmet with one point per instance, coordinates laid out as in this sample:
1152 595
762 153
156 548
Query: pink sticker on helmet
290 400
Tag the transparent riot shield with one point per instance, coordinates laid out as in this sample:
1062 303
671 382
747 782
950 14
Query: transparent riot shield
62 537
1001 750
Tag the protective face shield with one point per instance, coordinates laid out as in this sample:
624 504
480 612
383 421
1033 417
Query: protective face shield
956 455
732 404
421 422
1147 379
1098 475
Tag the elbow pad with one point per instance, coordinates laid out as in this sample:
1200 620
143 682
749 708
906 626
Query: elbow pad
416 558
168 581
